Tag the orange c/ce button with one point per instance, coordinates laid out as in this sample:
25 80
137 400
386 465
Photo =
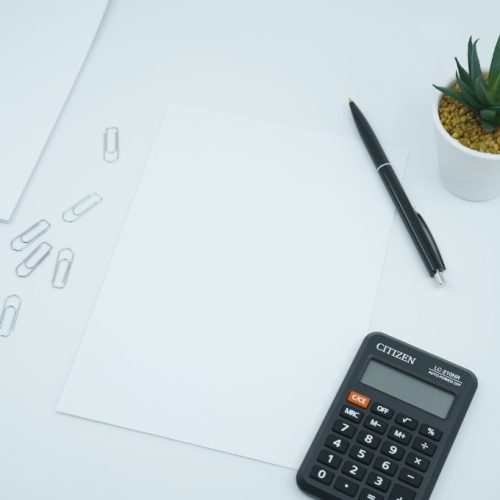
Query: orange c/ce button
358 399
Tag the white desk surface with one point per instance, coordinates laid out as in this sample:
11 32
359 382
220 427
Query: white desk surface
286 61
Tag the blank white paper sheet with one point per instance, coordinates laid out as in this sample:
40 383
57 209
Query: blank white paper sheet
240 289
42 48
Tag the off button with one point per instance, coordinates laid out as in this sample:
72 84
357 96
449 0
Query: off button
358 399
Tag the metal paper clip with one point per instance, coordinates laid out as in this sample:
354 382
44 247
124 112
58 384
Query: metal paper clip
64 262
10 311
111 144
34 259
30 235
82 207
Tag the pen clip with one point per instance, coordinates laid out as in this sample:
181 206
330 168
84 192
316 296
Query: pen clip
432 243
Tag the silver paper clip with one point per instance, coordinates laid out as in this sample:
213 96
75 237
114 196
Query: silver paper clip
64 262
10 311
111 144
82 207
34 259
30 235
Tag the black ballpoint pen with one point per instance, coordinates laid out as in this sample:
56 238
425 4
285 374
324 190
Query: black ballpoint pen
413 221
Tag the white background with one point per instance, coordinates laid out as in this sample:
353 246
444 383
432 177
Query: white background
291 62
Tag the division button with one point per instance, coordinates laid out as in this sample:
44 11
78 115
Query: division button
351 413
370 495
400 435
424 446
417 461
382 410
410 477
330 459
406 421
342 427
322 475
358 399
400 492
431 432
346 486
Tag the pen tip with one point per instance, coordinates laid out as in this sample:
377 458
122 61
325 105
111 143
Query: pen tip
438 276
349 99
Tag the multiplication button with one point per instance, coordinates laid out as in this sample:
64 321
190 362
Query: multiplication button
382 410
418 462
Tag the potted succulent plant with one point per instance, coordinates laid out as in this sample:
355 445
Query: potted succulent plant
467 119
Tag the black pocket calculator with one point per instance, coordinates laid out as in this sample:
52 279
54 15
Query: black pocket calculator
390 427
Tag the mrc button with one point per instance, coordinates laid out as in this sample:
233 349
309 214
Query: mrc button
358 399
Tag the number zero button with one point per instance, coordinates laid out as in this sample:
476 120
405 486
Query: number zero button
322 475
358 399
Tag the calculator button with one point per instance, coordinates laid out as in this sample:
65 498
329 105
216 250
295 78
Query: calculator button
377 481
370 495
400 492
344 428
368 439
400 435
351 413
393 450
431 432
382 410
417 461
361 455
322 475
346 486
375 424
353 470
330 459
385 466
358 399
425 446
337 443
406 421
410 477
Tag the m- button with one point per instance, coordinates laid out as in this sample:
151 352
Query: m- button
358 399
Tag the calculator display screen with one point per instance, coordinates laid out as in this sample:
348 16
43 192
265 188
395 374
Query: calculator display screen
407 388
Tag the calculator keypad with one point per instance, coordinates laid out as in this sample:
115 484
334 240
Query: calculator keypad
360 440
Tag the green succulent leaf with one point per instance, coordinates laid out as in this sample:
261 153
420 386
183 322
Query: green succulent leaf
482 93
454 94
487 114
488 127
474 64
464 76
472 101
494 74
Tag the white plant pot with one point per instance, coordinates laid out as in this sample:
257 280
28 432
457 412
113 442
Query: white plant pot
466 173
